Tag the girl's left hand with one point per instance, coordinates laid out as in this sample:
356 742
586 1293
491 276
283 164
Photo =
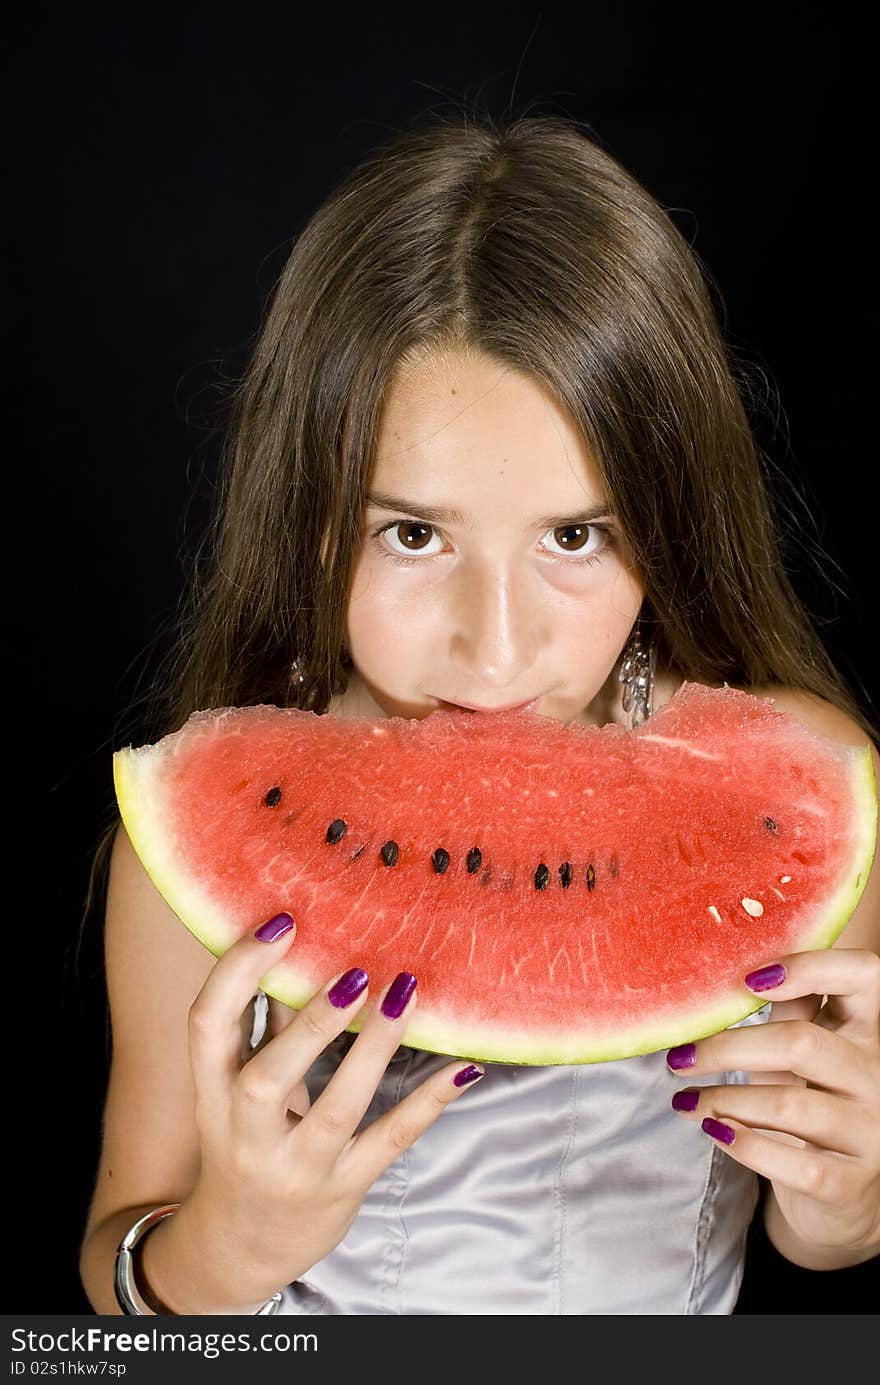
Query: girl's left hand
809 1120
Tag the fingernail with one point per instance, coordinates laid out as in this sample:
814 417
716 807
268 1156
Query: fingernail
685 1101
682 1057
469 1074
274 928
718 1130
399 992
765 978
346 990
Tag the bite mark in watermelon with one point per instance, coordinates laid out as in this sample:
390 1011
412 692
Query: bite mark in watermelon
603 892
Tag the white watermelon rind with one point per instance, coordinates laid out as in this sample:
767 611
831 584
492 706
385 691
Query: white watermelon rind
134 775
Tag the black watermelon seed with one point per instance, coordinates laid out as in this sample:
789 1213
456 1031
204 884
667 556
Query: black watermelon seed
768 822
542 875
440 859
474 860
565 875
336 831
591 878
273 797
389 853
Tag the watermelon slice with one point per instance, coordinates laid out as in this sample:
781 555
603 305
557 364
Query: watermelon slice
563 894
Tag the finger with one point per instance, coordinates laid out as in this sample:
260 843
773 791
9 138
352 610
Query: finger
813 1172
776 1079
215 1016
831 1122
299 1099
849 977
370 1152
247 1029
823 1057
339 1110
267 1087
804 1008
278 1017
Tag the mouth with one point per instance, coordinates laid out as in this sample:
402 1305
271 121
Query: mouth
485 711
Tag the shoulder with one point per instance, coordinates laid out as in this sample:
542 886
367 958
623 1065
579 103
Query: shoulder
863 928
816 713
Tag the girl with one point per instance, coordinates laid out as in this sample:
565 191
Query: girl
490 451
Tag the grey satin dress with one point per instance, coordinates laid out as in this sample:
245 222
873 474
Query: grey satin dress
540 1190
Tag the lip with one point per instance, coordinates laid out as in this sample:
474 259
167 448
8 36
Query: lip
469 706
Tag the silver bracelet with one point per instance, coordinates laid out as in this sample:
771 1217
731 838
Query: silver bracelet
139 1301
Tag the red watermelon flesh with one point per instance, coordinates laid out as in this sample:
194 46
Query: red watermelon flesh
718 836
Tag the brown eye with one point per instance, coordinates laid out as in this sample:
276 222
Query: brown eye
572 544
411 534
407 526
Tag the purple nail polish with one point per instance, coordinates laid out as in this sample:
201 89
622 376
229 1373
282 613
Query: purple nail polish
399 992
685 1101
275 928
765 978
346 990
466 1075
718 1130
682 1057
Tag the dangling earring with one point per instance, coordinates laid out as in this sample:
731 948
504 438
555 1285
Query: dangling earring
296 675
637 676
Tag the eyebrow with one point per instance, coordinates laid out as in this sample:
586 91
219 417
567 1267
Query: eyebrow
440 514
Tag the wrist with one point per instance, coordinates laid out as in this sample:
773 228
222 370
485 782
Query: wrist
811 1255
185 1265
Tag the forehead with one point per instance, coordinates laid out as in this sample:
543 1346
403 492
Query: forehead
466 420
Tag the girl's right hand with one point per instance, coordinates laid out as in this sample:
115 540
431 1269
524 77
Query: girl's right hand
280 1187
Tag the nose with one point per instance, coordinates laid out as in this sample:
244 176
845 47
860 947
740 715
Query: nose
498 629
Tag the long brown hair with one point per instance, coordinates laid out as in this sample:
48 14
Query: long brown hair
529 242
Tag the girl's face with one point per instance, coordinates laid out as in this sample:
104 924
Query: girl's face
521 588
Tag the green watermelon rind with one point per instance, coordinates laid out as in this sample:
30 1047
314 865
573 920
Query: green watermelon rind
134 772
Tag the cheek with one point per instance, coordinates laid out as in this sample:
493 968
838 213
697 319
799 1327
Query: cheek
598 598
380 585
386 604
592 619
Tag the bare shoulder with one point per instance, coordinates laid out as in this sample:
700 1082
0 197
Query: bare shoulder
816 713
821 716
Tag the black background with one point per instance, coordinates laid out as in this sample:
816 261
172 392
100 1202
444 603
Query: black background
160 164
